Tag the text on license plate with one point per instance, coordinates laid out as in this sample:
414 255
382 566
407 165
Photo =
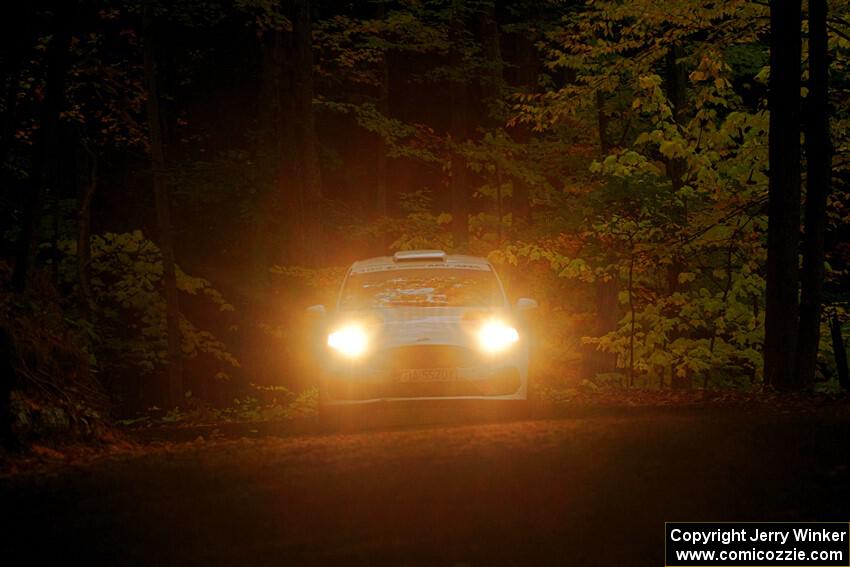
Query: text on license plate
428 375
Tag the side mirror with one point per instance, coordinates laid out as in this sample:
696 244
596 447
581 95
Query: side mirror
525 304
318 310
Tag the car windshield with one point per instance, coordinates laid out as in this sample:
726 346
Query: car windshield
413 287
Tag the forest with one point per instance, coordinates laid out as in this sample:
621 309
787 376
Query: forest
181 179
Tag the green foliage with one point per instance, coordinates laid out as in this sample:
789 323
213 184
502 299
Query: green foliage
415 141
420 228
130 308
285 405
639 225
54 394
675 210
323 282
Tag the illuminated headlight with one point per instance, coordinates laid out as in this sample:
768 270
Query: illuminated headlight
496 336
350 341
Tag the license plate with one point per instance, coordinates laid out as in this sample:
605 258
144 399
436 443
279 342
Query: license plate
428 375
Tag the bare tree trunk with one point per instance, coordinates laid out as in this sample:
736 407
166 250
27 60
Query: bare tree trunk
819 173
8 439
632 312
595 361
840 352
290 192
459 190
84 236
602 125
782 308
677 77
493 82
499 212
309 174
265 249
492 88
381 150
381 147
173 392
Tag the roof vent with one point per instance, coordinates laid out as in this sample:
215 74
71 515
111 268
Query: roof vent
419 255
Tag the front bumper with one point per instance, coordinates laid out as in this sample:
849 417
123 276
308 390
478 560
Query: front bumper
381 376
501 382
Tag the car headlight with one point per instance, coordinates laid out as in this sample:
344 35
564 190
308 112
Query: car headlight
350 341
495 336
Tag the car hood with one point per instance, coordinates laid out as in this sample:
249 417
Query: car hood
403 326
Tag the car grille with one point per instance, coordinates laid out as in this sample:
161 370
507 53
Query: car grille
380 378
503 382
428 356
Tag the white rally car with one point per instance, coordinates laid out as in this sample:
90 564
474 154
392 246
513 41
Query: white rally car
423 324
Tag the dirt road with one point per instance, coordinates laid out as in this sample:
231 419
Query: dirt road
590 490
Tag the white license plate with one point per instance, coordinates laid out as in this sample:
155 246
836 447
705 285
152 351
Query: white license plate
428 375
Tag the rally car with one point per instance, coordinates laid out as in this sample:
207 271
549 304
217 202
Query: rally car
423 324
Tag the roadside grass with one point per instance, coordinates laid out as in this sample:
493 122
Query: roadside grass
250 409
197 424
584 396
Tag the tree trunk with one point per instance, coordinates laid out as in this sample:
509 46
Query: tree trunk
493 82
290 194
173 392
8 439
526 72
607 306
632 315
840 352
782 308
381 149
595 361
17 35
676 88
45 148
265 249
602 125
10 114
381 146
677 82
308 172
499 211
84 237
819 172
459 190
